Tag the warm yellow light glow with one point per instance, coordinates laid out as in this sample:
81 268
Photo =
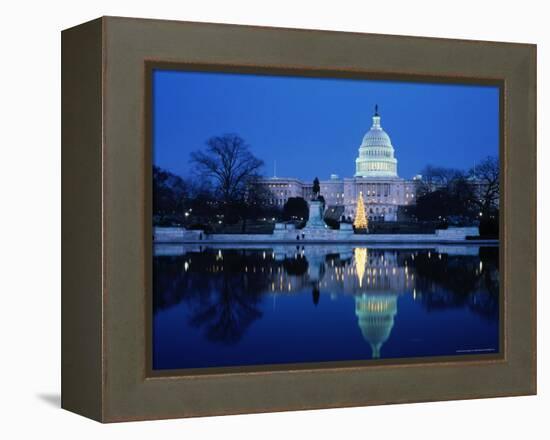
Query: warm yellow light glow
360 263
361 221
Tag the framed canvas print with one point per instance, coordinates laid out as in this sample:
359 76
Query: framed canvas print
262 219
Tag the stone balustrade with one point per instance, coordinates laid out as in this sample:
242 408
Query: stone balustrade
287 233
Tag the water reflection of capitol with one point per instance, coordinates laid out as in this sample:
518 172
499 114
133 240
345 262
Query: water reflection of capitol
352 271
374 277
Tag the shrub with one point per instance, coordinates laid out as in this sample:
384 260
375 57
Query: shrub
489 227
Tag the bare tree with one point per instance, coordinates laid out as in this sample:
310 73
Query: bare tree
437 177
170 196
486 177
229 164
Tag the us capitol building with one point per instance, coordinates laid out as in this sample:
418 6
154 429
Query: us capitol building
375 178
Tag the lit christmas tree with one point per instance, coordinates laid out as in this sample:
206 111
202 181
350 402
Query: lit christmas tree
361 221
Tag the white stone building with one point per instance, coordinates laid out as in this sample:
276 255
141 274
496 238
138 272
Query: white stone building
375 178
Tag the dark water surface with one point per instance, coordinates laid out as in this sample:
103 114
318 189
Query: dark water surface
221 306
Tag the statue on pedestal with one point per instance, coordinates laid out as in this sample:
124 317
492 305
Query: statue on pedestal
316 210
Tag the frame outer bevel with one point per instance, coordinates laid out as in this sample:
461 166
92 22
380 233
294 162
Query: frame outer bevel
127 393
81 216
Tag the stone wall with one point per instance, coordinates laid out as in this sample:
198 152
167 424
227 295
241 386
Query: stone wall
291 235
458 233
176 235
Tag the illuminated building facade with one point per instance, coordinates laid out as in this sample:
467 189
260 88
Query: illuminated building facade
375 178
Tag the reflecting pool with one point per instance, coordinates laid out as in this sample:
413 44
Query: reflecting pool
253 305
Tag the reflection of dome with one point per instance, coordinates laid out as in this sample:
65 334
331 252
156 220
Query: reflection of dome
375 315
376 153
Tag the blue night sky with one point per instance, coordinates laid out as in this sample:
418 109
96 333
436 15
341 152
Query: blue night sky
314 126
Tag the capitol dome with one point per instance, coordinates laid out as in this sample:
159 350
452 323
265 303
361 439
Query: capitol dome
376 137
376 153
